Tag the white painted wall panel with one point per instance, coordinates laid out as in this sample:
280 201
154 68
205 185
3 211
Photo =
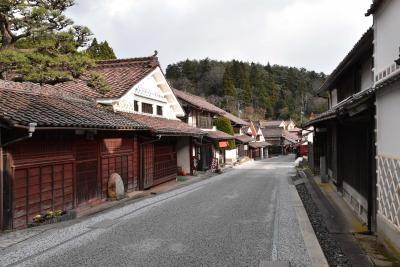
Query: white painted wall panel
387 37
388 123
183 153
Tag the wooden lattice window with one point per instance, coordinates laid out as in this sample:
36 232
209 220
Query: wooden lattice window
147 108
159 110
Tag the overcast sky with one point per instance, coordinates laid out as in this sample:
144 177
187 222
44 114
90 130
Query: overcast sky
315 34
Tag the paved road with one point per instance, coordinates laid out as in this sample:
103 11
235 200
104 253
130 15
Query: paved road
238 218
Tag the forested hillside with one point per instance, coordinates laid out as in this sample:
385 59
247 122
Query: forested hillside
251 90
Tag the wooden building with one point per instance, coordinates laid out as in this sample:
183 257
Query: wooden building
66 163
258 148
273 134
386 80
344 135
357 137
242 143
200 114
60 144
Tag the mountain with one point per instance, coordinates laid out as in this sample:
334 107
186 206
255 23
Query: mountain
251 90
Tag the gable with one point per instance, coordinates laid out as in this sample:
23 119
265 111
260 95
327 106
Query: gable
154 90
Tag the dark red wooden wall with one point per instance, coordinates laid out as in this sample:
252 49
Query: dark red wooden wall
49 174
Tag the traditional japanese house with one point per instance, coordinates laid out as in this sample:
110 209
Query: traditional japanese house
200 114
242 143
291 140
83 135
58 153
273 134
139 90
258 149
344 141
386 77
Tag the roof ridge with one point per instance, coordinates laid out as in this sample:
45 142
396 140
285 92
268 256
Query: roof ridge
151 61
197 96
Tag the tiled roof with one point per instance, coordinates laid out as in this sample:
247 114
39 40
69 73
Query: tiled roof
198 102
165 126
364 43
235 119
290 137
388 81
120 74
374 7
244 138
219 135
18 107
259 144
270 123
202 103
341 107
272 132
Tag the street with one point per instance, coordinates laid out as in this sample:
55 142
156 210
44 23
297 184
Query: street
239 218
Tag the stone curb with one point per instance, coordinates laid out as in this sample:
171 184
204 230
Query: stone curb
313 247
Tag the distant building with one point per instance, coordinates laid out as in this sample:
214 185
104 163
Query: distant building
199 113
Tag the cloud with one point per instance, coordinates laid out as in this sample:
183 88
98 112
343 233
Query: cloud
315 34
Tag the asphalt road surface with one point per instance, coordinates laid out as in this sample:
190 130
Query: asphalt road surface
238 218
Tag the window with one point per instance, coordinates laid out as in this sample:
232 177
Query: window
136 105
147 108
159 110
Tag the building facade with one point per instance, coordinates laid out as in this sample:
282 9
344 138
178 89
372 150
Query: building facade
386 73
355 144
61 144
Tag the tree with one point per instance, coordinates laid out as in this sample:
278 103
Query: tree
229 90
259 91
39 43
224 125
100 51
244 85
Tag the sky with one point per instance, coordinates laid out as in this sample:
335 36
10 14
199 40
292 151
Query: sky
314 34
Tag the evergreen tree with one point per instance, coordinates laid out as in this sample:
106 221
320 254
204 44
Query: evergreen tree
39 43
100 51
245 86
224 125
229 90
265 91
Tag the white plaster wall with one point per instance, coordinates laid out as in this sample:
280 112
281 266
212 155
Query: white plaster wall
153 89
230 155
388 123
183 153
334 97
262 139
366 75
387 37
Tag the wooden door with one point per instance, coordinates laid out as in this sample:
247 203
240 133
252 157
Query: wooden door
165 163
206 157
148 165
87 185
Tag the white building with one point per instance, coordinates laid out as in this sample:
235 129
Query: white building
386 73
